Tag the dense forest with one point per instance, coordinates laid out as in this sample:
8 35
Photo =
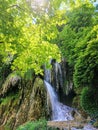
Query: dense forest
33 32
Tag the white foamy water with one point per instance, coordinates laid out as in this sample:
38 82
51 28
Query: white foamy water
60 112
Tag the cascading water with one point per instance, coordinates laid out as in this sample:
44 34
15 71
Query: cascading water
48 75
58 71
60 112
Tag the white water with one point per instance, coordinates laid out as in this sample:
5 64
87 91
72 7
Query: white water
58 71
60 112
48 75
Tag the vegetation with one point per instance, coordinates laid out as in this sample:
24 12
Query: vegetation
36 125
30 36
78 43
89 101
27 45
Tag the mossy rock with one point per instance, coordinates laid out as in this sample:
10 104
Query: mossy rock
76 100
37 100
96 124
10 83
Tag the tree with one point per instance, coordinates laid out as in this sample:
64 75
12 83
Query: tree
86 67
73 37
78 24
27 44
78 42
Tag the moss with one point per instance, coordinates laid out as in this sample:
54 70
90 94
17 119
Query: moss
29 103
6 127
76 100
38 100
8 99
11 84
96 124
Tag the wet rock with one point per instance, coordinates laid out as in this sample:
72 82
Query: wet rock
89 127
37 100
33 103
96 124
11 82
28 105
75 129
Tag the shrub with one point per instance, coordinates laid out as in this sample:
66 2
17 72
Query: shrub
89 101
36 125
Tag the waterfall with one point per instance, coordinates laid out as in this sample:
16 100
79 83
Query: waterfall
60 112
58 71
47 75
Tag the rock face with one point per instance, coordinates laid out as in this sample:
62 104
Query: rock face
22 101
70 125
27 103
61 80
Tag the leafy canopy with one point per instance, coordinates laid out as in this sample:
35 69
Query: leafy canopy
78 42
26 38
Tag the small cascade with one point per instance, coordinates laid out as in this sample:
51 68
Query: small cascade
48 75
60 112
60 77
58 72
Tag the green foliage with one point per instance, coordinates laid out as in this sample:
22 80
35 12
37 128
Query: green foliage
78 43
82 16
86 67
36 125
35 56
73 34
29 42
89 101
7 99
7 128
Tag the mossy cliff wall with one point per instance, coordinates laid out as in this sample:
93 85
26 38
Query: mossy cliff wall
21 101
24 100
